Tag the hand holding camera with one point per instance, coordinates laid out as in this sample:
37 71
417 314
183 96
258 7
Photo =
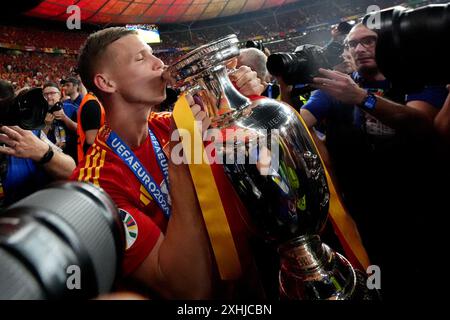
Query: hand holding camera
22 143
49 118
340 86
59 115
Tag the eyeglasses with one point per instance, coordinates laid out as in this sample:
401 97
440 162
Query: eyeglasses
366 42
51 93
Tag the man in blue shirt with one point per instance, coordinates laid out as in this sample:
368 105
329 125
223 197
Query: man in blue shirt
66 117
71 87
379 142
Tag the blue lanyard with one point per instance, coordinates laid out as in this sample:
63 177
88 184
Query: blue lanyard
269 91
129 158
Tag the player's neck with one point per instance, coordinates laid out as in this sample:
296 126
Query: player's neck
131 125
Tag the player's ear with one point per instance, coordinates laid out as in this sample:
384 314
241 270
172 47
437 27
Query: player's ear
103 82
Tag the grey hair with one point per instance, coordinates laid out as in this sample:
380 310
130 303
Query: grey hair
256 60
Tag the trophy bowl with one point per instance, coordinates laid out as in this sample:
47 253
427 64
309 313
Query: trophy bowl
272 163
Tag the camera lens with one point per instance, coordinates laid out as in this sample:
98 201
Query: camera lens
300 66
410 43
28 109
55 233
290 67
277 63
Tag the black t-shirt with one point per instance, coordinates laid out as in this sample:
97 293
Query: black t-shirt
71 143
90 118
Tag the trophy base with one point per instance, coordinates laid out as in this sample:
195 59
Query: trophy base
310 270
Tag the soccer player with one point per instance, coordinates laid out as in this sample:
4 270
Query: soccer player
167 245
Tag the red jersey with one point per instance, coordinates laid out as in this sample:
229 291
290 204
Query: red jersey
143 219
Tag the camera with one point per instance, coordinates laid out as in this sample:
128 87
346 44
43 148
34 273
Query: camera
303 64
411 50
63 242
26 110
255 44
56 107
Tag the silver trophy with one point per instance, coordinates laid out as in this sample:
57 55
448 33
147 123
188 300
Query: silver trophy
282 184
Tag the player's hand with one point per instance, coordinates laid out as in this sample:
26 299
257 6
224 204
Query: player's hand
199 113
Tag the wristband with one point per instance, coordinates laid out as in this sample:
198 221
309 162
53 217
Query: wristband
369 102
47 156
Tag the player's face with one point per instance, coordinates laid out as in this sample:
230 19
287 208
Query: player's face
137 72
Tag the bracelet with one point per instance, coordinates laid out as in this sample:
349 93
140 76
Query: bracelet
47 156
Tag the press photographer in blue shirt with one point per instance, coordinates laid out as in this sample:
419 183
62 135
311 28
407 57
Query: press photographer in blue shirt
28 160
380 141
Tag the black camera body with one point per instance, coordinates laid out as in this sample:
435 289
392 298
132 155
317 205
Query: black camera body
255 44
26 110
302 65
56 107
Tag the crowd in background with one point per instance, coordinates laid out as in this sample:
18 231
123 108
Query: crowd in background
282 32
42 38
33 69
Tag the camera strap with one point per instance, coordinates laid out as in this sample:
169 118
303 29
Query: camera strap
131 160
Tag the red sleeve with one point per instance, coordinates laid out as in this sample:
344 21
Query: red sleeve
141 235
141 232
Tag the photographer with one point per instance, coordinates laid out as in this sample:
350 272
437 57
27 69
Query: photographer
54 130
421 109
71 86
347 66
373 134
168 248
28 161
64 115
293 71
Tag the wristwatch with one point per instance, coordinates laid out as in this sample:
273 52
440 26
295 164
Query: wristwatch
47 156
369 102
